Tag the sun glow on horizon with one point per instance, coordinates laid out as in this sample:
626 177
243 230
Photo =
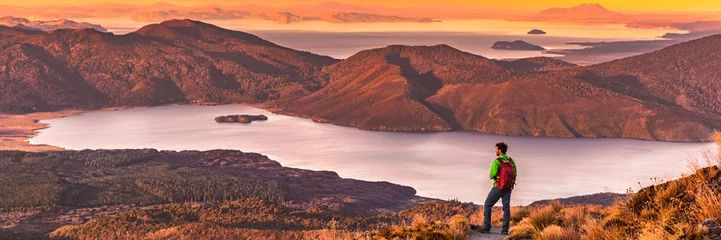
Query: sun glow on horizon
616 5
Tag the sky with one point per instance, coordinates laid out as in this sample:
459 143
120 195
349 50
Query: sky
617 5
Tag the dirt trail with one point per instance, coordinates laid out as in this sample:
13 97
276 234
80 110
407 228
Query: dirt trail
495 234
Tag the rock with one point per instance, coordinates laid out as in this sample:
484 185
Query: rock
536 32
516 45
240 118
714 229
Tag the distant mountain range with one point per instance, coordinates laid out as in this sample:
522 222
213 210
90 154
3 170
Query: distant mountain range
584 13
673 94
47 25
280 17
586 10
330 12
440 88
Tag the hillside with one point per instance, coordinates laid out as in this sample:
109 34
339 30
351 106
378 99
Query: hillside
386 88
536 64
440 88
300 204
171 62
684 75
670 95
43 191
17 31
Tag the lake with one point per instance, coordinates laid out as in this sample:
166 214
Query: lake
439 165
341 40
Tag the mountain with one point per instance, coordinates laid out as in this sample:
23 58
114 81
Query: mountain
584 12
48 25
516 45
588 9
281 16
683 75
386 88
536 64
17 31
670 95
171 62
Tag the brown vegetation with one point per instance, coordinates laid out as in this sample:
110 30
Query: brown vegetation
171 62
438 88
669 95
240 118
50 183
687 208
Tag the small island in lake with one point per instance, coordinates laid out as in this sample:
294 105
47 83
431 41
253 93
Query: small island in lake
537 32
516 45
240 118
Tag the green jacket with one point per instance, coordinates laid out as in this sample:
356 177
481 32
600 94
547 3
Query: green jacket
496 165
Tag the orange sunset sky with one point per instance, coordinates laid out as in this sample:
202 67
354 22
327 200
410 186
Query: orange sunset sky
618 5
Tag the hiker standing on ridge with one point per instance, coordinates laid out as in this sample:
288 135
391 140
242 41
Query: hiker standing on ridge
503 174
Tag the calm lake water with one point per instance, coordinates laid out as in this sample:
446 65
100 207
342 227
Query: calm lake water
439 165
341 40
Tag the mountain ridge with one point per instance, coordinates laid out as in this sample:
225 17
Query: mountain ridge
89 69
394 88
48 25
563 101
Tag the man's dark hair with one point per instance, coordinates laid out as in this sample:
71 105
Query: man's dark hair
502 146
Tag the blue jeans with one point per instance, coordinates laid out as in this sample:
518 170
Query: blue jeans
492 199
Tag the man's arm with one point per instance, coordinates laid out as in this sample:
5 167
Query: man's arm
494 169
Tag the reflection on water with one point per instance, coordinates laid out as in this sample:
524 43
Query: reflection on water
341 40
440 165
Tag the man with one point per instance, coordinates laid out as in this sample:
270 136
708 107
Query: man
504 179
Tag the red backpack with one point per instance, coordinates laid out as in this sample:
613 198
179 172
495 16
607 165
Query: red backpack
506 175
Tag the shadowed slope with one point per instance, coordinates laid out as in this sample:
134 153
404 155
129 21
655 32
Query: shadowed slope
632 98
386 88
686 75
170 62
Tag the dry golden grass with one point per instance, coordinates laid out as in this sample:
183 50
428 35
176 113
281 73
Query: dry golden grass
595 230
576 216
708 205
544 217
519 213
521 230
554 232
458 227
455 228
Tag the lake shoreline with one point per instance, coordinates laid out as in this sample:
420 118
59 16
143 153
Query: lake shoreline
326 121
17 129
397 156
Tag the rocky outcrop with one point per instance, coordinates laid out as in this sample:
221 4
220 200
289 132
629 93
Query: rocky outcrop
600 199
240 118
536 32
516 45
